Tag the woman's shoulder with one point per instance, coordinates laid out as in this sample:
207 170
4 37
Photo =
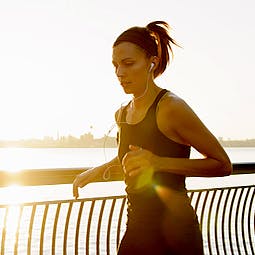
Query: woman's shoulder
171 103
172 114
119 111
174 110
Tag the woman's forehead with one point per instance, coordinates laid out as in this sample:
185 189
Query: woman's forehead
127 50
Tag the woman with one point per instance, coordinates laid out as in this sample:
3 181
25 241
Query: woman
156 132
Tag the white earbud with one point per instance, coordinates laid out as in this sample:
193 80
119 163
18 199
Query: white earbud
152 65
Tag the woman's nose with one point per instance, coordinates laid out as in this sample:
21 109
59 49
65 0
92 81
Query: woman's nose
119 72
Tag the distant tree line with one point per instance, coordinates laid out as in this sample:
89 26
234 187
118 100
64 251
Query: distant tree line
84 141
88 141
237 143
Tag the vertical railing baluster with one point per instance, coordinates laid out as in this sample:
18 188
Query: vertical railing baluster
89 225
216 222
99 227
203 211
120 221
209 222
243 221
4 231
43 227
78 228
17 231
31 229
191 195
229 222
197 202
238 235
66 227
204 206
250 216
54 233
109 226
223 221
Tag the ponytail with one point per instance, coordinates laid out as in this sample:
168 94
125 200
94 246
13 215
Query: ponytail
159 30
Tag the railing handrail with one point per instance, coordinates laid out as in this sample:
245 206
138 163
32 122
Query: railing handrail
51 176
64 201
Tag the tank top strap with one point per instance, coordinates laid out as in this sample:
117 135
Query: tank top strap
159 96
153 106
123 114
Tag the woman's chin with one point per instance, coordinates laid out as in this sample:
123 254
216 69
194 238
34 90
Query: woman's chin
127 90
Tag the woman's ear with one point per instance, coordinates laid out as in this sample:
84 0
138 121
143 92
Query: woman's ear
151 66
155 60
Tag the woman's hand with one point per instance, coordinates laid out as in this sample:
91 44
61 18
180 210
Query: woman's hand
83 179
138 164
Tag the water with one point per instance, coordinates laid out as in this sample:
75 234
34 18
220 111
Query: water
15 159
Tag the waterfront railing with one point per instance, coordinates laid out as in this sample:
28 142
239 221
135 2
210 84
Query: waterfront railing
96 225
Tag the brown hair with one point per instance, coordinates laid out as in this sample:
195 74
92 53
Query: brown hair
154 39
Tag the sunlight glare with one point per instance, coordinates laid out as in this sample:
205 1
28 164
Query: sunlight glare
13 194
7 162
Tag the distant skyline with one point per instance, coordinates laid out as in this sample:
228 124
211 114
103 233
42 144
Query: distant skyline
89 141
56 75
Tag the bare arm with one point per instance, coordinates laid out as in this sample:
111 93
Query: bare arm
187 128
99 173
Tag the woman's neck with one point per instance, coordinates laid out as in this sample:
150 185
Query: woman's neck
146 98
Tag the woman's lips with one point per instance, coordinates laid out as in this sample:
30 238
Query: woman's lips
124 84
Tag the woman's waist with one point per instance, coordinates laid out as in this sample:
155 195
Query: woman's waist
159 179
146 209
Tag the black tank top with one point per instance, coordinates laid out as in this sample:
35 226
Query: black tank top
147 135
151 216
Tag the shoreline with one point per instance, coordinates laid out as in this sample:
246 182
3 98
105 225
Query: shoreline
88 141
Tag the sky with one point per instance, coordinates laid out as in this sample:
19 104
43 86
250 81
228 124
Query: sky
56 75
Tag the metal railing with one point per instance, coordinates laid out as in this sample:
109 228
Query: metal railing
84 226
96 225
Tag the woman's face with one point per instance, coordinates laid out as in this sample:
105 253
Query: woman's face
131 67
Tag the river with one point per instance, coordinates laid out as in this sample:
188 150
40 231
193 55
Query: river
15 159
